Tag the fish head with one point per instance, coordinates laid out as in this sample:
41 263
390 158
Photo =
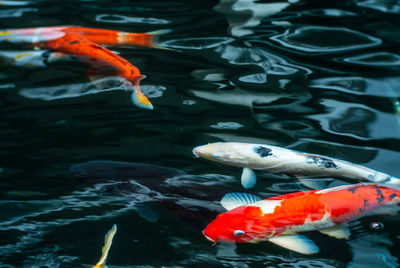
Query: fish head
229 153
241 225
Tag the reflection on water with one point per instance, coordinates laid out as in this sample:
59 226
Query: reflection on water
243 15
320 39
315 77
113 18
388 6
384 59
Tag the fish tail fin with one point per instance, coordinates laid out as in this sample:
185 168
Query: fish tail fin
139 99
149 39
107 245
155 36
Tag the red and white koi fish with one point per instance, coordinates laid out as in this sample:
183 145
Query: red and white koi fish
107 245
279 219
280 160
85 44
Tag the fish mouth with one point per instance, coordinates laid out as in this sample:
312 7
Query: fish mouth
196 151
208 238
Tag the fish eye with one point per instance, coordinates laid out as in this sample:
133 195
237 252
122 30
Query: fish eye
238 233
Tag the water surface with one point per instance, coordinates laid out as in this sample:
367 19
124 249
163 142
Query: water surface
321 77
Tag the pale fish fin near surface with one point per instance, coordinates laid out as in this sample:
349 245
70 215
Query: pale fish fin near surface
315 184
249 178
391 209
339 231
234 200
297 243
107 245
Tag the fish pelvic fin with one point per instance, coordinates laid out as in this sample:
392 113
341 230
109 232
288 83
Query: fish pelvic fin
107 245
249 178
339 231
296 242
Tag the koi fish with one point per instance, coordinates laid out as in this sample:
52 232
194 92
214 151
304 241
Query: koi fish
99 36
279 160
279 219
85 44
107 245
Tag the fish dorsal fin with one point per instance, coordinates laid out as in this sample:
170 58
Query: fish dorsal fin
234 200
249 178
339 231
107 245
296 242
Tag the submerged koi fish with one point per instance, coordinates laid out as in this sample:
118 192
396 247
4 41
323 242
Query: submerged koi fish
107 245
279 160
85 44
279 219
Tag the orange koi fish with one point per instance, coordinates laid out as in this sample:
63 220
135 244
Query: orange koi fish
107 245
85 44
279 219
99 36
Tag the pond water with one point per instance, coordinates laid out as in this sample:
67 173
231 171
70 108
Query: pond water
315 76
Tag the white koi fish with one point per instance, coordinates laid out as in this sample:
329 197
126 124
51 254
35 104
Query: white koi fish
279 160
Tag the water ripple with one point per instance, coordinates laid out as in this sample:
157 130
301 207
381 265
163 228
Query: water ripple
320 39
114 18
381 59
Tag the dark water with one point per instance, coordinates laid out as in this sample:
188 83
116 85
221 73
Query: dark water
316 76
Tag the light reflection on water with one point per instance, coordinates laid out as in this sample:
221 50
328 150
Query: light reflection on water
321 79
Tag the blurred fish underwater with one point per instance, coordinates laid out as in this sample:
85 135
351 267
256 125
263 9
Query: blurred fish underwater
77 157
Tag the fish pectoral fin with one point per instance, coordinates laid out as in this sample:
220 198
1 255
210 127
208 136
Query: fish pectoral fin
391 209
107 245
249 178
339 231
313 183
296 242
234 200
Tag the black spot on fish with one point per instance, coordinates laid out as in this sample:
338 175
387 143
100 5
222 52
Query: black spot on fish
392 196
74 42
365 203
380 196
353 189
321 161
361 210
263 151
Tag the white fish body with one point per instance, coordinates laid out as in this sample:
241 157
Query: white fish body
280 160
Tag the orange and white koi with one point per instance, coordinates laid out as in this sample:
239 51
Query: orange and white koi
99 36
85 44
280 219
106 248
280 160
